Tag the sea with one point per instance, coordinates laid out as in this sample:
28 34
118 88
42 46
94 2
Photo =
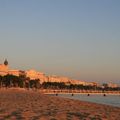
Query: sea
113 100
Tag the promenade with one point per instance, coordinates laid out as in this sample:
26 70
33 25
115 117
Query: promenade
51 91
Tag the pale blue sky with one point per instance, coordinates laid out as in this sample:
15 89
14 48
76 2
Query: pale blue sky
75 38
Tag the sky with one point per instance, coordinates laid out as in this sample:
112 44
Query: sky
75 38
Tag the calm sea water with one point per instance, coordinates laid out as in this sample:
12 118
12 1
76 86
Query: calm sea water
113 100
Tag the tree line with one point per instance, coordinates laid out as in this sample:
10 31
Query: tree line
18 81
57 85
24 82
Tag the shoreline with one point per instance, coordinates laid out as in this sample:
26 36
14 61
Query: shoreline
23 104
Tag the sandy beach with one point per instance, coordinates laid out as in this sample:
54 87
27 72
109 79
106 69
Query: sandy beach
31 105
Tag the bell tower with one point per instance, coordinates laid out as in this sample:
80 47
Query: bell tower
6 62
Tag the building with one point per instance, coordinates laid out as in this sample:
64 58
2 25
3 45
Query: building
112 85
54 78
4 68
33 75
16 72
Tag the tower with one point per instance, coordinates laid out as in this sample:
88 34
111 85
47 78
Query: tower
5 62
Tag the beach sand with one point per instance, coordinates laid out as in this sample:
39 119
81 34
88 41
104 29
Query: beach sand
31 105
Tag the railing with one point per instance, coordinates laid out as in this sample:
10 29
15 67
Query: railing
51 91
65 91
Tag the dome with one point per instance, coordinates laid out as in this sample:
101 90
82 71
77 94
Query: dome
5 62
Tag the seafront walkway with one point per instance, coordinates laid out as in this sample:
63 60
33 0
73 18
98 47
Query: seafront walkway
64 91
51 91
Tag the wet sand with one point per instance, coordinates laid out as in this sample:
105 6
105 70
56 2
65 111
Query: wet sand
29 105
